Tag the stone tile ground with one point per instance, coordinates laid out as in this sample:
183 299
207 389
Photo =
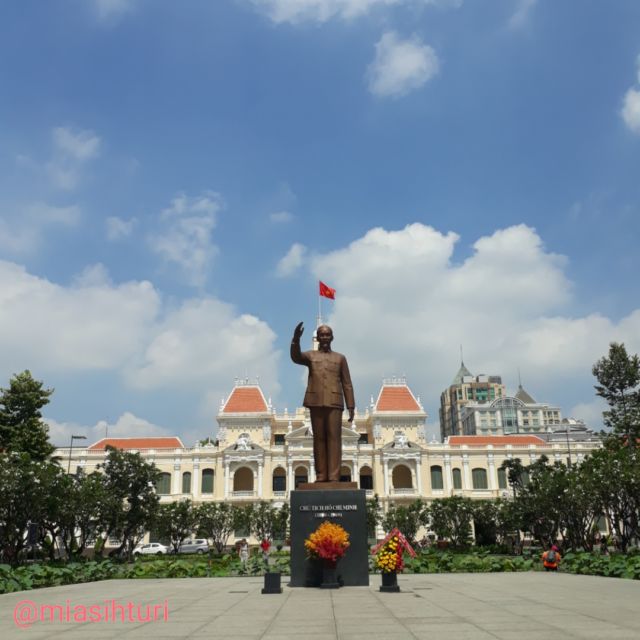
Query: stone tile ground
522 606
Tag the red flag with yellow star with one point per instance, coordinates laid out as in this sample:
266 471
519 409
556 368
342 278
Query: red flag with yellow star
326 291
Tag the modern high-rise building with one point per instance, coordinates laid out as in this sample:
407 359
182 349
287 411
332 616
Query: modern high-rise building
466 388
508 415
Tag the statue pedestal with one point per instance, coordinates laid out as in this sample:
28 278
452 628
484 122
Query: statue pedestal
346 507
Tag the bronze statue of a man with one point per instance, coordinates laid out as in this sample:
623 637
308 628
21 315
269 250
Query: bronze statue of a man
329 381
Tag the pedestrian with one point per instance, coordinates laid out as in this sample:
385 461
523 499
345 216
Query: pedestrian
243 552
551 559
265 545
604 547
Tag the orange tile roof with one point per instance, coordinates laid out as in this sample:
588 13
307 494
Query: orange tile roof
245 400
496 440
396 398
154 442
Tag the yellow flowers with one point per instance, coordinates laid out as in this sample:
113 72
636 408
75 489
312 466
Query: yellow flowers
329 542
389 558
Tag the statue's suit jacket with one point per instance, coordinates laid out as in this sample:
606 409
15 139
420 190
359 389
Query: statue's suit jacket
329 378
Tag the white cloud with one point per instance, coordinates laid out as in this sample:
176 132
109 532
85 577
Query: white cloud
405 307
631 110
206 340
91 325
128 330
297 11
292 261
23 232
127 425
281 217
118 228
76 143
521 14
94 275
590 413
73 148
110 10
400 66
185 239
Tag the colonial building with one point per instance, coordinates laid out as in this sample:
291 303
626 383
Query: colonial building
466 389
260 454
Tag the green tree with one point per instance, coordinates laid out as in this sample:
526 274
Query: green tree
282 521
21 426
407 519
175 522
516 474
618 378
22 501
486 521
266 521
374 515
451 518
581 506
72 509
218 520
129 503
542 500
613 477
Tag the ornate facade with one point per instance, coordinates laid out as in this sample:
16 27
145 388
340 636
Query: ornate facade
262 455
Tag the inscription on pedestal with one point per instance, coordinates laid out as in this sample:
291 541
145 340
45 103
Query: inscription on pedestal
347 508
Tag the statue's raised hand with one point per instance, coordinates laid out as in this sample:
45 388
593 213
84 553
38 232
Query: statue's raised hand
298 331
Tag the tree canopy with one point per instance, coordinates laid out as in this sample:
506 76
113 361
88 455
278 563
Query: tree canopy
21 426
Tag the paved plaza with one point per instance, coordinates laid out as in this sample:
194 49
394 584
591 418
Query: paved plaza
522 606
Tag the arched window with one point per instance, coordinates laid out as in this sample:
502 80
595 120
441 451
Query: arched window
401 477
502 478
206 486
186 482
457 478
479 477
345 474
301 475
163 485
243 479
366 478
279 482
436 477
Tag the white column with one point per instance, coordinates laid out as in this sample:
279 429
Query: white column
290 484
419 476
195 480
385 477
177 485
312 471
493 480
447 479
260 479
467 484
227 471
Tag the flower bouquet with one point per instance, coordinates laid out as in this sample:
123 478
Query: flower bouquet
389 557
329 542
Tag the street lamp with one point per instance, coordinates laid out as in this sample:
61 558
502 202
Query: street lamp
71 447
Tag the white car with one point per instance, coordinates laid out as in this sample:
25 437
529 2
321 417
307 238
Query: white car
153 548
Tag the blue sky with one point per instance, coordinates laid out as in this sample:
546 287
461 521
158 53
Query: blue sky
175 177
